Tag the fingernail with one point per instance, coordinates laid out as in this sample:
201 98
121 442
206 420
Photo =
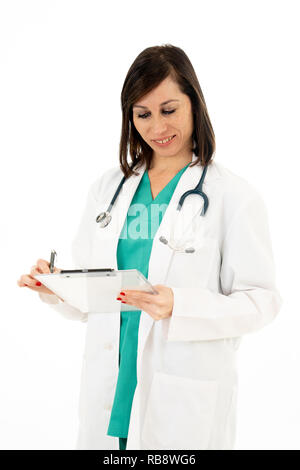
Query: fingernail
123 302
118 298
122 293
38 283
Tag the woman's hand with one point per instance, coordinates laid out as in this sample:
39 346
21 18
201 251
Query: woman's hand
27 280
158 306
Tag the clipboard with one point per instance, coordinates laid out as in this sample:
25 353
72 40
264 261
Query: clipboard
95 290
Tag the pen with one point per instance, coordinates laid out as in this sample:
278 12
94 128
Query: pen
52 257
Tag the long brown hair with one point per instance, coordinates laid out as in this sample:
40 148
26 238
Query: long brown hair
149 69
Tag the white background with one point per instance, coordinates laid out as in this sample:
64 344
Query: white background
62 67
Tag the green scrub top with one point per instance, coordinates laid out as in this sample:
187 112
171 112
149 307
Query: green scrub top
133 252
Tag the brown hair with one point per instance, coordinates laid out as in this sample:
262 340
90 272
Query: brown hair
149 69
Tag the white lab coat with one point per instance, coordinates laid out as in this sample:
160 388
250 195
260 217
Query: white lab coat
187 382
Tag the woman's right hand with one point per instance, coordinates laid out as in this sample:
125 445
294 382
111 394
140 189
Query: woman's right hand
27 280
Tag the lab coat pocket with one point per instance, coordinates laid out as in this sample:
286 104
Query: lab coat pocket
194 269
179 413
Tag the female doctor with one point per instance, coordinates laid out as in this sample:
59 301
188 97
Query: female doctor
165 376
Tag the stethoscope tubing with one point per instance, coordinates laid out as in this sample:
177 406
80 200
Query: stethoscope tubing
104 218
197 190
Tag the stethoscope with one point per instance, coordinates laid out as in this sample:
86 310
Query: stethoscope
104 218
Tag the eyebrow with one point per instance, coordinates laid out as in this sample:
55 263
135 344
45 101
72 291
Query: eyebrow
145 107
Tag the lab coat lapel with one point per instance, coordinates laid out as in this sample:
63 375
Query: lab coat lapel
119 213
161 254
176 223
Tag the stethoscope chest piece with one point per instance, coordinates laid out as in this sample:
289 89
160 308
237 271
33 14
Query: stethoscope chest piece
103 219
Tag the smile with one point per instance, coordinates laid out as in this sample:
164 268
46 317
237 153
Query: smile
164 141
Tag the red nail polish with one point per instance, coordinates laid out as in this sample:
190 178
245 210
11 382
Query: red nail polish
118 298
38 283
123 302
122 293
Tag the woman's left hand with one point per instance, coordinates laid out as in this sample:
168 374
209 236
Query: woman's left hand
158 306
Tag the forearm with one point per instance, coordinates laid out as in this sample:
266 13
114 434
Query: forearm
248 297
200 314
65 309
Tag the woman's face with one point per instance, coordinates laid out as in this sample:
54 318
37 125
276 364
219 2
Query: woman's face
157 121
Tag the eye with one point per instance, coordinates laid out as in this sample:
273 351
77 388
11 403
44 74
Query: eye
143 116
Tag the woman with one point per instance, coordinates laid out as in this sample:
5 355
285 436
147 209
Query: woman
164 377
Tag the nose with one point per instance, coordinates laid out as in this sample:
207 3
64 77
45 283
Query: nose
158 126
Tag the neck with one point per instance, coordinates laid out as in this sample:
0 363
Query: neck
169 164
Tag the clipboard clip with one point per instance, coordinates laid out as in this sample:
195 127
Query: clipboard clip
109 271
